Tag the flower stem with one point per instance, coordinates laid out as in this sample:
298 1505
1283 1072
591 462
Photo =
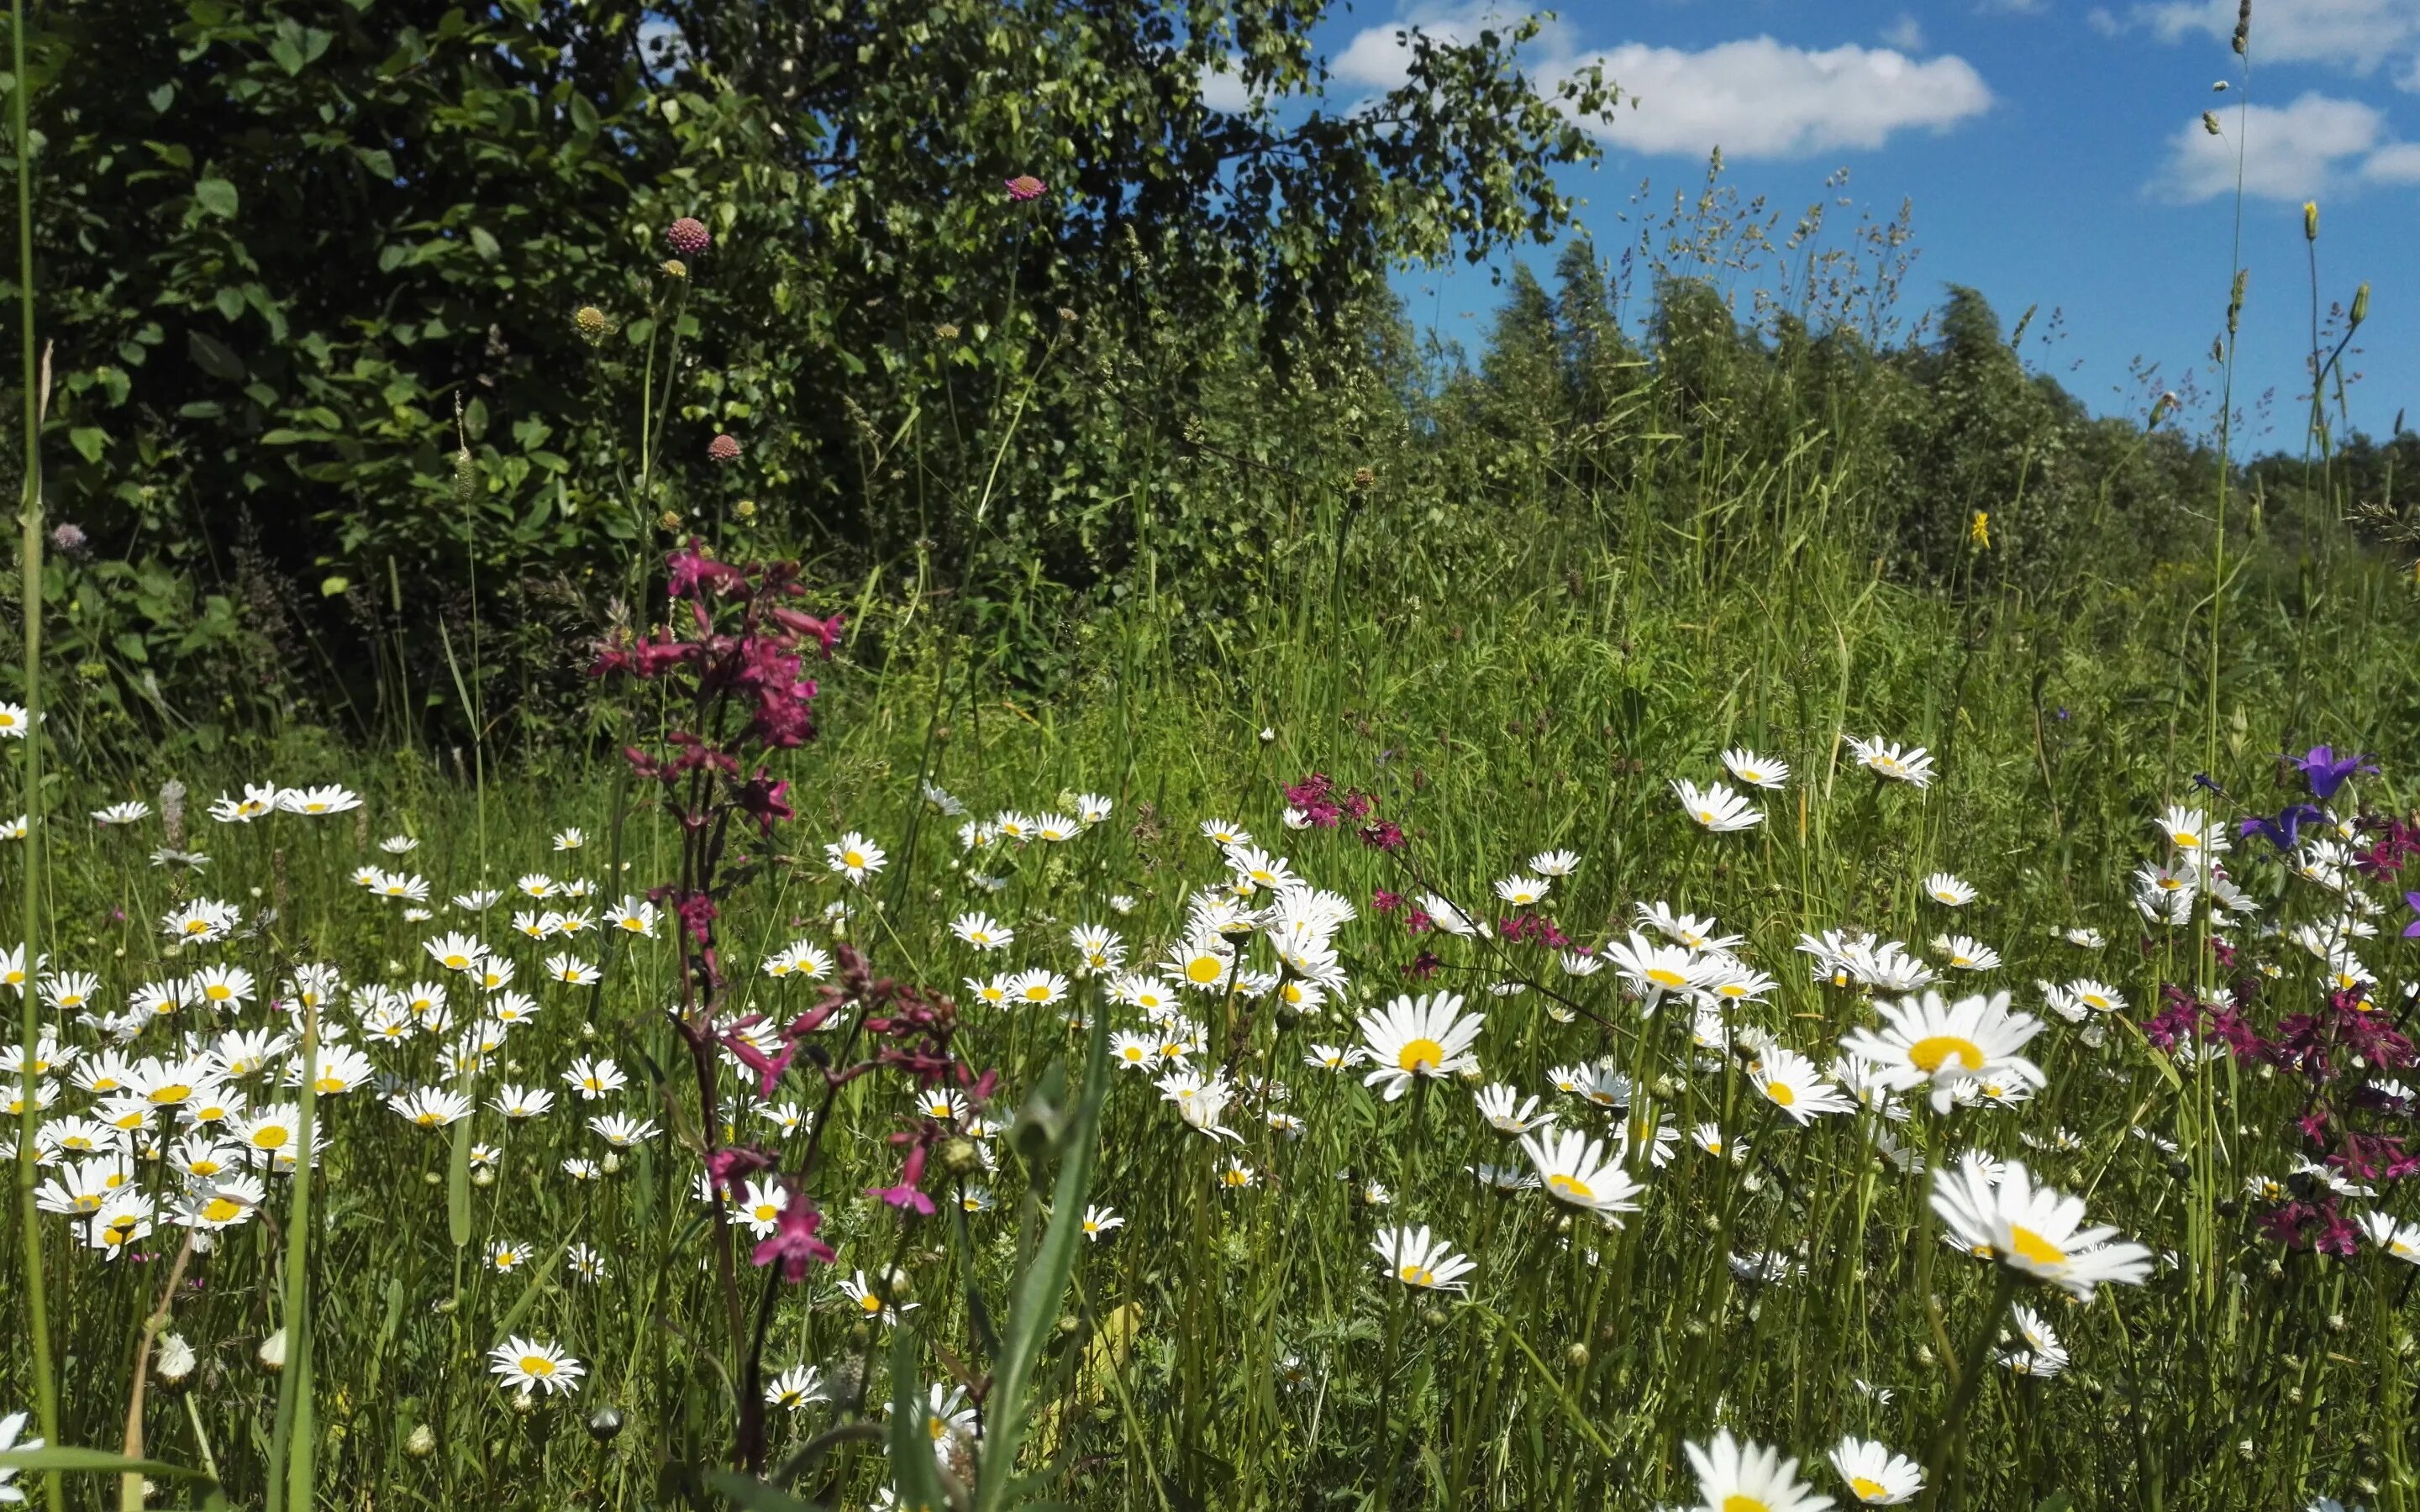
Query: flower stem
1952 1435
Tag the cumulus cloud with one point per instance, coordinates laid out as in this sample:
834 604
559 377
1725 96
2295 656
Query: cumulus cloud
1906 34
2292 152
1223 91
1754 97
2359 35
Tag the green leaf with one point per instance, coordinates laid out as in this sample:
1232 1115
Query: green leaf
756 1495
540 1280
63 1457
914 1475
217 196
1035 1313
330 587
484 243
162 98
88 440
2055 1501
213 357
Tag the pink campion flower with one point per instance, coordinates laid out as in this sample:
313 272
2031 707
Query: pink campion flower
769 1068
907 1194
1383 835
692 574
687 236
1025 187
765 801
1385 901
734 1164
697 913
723 448
793 1242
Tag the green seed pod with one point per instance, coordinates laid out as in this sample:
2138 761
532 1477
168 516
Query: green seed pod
466 476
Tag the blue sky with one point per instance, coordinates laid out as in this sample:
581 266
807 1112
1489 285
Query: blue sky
2053 151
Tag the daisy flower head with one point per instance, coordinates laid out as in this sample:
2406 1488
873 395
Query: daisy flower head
1717 808
1928 1039
1963 952
118 814
1876 1476
794 1388
1893 763
1749 1477
1523 891
1099 1221
1790 1082
259 798
1418 1258
855 857
1755 770
1555 864
533 1364
319 800
1948 890
456 951
1428 1036
2035 1231
1502 1106
1577 1171
981 931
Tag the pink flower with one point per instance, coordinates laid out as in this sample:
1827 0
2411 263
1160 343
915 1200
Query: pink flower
687 236
723 448
1026 187
793 1243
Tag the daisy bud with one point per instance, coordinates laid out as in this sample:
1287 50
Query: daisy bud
271 1353
900 1286
1577 1356
959 1157
605 1425
2310 220
1069 1323
2361 304
1432 1318
421 1443
523 1403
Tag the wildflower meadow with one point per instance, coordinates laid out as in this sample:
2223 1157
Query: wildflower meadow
1699 989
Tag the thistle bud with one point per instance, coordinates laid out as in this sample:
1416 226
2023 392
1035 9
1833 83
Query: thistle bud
2310 220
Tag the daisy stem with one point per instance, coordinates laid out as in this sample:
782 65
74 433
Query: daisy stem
1387 1396
1952 1434
37 1317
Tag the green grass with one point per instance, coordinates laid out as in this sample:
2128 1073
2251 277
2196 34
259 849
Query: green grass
1242 1343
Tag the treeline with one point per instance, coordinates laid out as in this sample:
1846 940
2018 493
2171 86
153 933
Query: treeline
377 382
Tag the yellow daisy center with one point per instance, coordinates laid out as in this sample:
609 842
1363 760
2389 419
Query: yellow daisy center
1204 969
1741 1502
870 1303
1780 1092
1418 1276
537 1364
2029 1245
1667 976
1932 1051
1570 1188
172 1092
2186 839
1868 1490
853 859
1420 1055
220 1210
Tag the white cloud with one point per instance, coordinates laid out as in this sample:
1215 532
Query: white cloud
1756 98
2357 34
2398 163
1222 90
2292 152
1906 34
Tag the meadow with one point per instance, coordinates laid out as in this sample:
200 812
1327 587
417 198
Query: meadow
1741 907
1274 952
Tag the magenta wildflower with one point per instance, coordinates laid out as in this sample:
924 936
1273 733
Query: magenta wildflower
1025 187
723 448
793 1243
687 236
